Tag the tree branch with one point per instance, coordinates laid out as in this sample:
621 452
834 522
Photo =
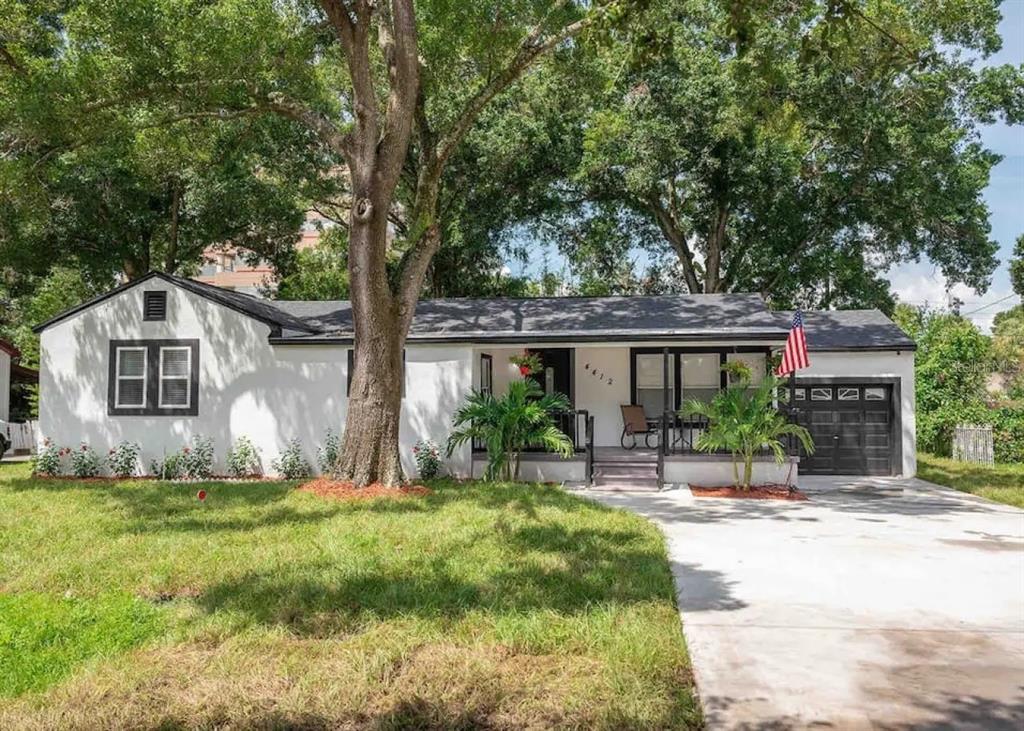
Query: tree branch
398 39
354 38
530 49
8 58
677 239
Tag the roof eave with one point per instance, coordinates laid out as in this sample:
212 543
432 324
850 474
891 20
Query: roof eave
862 348
775 337
185 284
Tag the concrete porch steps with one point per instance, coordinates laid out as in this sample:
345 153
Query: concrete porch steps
625 487
626 471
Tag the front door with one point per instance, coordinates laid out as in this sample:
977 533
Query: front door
556 376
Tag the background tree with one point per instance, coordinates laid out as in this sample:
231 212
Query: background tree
797 149
156 199
319 273
1017 266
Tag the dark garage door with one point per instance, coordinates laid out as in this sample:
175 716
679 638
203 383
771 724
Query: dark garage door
852 425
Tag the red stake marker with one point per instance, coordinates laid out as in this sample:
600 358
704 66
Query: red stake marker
201 495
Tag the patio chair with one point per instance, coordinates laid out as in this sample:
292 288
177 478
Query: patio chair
635 423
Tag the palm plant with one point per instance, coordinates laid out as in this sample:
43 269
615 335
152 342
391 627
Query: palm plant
743 419
509 424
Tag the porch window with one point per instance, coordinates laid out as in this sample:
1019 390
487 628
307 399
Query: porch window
701 376
650 391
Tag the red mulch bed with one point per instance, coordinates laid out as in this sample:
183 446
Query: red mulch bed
756 492
347 491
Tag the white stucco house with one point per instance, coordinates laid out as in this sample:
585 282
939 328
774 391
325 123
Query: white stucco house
163 358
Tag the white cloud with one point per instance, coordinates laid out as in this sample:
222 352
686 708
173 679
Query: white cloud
919 284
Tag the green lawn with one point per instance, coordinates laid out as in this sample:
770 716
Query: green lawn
508 606
1003 483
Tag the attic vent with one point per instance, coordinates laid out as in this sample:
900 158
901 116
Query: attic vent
154 306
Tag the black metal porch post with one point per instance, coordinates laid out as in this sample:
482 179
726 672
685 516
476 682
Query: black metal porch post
665 399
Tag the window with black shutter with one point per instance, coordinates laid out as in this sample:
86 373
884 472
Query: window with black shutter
153 378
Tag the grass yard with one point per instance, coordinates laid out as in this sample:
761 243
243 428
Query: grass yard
1003 483
508 606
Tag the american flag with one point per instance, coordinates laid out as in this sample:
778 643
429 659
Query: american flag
794 357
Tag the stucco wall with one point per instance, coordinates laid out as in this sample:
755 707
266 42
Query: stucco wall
5 385
889 364
246 386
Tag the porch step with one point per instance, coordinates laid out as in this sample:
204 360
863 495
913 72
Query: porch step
626 471
606 485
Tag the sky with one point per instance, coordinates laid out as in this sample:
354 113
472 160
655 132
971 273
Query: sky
920 283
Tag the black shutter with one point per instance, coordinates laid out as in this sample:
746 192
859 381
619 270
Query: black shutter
154 306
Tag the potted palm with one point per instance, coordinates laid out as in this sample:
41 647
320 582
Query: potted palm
509 424
742 419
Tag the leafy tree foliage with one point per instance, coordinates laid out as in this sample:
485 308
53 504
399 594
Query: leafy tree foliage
318 273
1017 266
798 149
1008 350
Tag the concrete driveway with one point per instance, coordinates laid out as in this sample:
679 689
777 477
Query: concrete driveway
879 603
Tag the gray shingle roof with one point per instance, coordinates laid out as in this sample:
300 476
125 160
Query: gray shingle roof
686 316
852 330
728 316
259 309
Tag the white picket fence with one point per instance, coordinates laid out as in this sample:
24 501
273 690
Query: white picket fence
973 443
21 434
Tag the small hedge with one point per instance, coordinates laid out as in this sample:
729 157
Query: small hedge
935 428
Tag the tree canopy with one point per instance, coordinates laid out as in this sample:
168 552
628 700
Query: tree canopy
795 149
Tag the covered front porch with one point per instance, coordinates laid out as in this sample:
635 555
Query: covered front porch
599 379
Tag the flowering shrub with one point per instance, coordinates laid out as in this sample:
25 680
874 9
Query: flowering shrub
428 459
197 459
244 459
172 467
48 461
291 464
123 460
85 462
327 455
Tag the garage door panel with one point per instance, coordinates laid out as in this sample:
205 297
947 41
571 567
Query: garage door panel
851 427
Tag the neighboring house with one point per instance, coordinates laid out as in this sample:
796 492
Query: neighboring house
11 372
162 358
226 266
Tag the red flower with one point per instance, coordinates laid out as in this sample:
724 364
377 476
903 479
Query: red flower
524 370
201 495
186 450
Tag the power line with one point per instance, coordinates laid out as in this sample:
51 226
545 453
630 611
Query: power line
991 304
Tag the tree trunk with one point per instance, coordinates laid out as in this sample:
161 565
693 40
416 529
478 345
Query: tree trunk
171 257
370 445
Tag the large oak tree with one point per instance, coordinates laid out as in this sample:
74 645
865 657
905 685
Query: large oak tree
798 149
380 84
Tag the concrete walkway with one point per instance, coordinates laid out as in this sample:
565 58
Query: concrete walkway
877 604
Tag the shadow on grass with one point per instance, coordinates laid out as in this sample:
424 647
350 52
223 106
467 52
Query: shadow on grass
540 549
529 563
